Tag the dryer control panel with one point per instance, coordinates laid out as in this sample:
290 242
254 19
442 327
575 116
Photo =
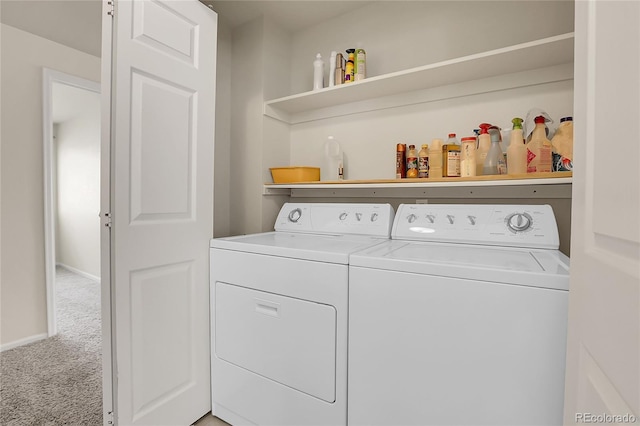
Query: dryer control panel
336 218
531 226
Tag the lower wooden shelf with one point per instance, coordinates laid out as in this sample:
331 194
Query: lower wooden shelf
517 179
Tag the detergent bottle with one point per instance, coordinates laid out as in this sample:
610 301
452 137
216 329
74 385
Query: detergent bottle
539 148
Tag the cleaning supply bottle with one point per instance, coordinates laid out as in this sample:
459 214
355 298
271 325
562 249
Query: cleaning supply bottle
339 70
349 73
332 68
452 140
494 163
435 158
401 161
333 167
539 148
517 151
468 157
318 72
562 146
423 161
360 64
484 144
412 162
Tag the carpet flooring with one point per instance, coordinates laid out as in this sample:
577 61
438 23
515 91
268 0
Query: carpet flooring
58 380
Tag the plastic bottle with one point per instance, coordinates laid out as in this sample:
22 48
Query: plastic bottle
412 162
339 65
484 144
517 151
332 68
562 146
494 163
333 168
318 72
468 157
452 140
539 148
423 161
401 161
349 73
435 158
360 64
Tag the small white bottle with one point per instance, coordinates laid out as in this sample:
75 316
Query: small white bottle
318 73
484 144
333 167
332 68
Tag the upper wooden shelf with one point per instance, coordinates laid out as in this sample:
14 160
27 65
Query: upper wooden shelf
493 180
544 53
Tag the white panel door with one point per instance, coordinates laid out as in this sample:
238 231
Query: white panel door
163 95
603 355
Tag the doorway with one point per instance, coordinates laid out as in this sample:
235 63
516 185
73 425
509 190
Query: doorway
71 114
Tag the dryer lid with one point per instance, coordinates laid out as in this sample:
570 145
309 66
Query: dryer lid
315 247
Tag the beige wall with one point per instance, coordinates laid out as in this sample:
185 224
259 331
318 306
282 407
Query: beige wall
23 312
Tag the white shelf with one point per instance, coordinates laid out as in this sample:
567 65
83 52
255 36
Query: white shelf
552 53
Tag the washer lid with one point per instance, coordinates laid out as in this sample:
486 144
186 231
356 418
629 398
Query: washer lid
530 267
315 247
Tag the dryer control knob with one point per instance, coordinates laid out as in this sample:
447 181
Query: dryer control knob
518 222
411 218
374 217
295 215
343 216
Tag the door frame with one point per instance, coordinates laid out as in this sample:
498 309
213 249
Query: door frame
49 77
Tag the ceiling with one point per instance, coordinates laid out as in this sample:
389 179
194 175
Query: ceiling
289 15
77 23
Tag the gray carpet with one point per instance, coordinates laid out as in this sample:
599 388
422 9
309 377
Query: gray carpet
58 381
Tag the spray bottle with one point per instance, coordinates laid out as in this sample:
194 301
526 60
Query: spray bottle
484 144
517 151
494 163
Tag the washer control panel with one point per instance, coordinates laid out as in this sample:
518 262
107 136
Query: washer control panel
336 218
504 225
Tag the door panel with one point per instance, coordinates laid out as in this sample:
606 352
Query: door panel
603 352
163 80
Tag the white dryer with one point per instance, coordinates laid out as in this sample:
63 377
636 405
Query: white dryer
460 319
279 304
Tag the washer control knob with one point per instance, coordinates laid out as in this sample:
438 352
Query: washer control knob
343 216
295 215
431 218
472 219
359 216
411 218
451 218
374 217
518 222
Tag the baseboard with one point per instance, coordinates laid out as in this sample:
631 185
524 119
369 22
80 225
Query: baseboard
24 341
79 272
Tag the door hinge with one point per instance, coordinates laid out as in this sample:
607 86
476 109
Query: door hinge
111 11
109 418
107 217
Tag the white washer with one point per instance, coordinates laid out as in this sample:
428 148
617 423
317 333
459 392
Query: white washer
279 305
460 319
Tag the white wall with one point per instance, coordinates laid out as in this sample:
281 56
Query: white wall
398 35
22 282
78 181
